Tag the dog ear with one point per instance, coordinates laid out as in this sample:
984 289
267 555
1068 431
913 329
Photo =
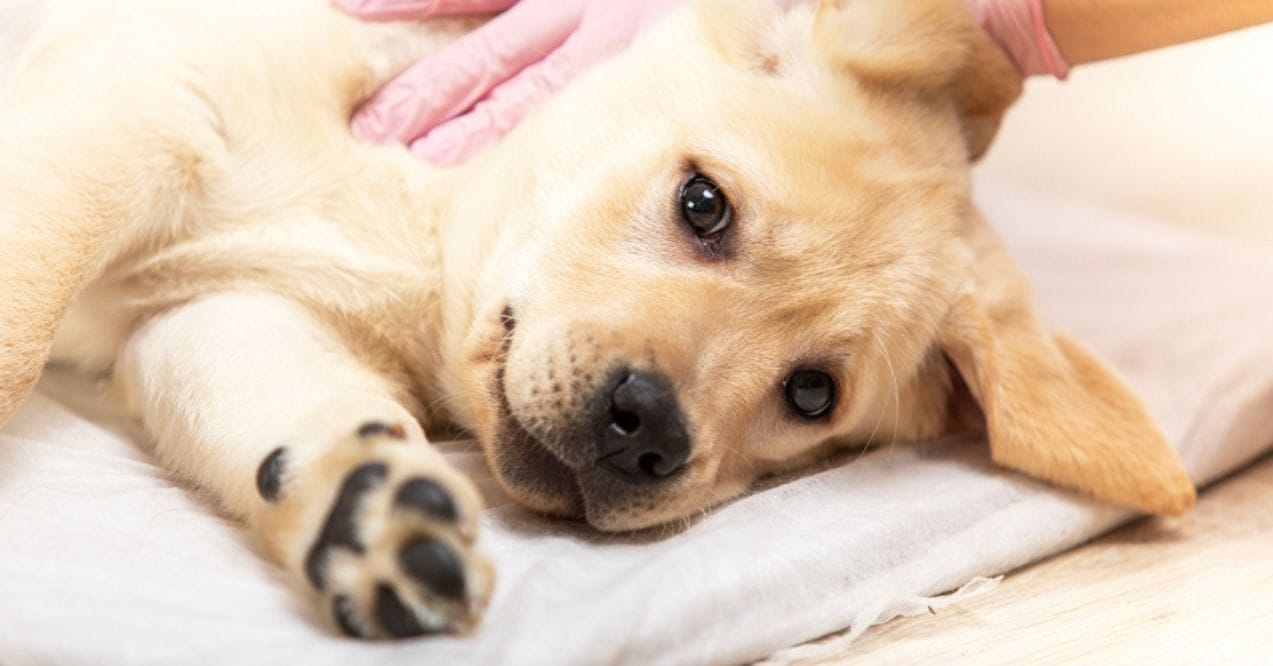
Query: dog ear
1051 409
927 47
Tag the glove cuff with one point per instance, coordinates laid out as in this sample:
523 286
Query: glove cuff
1019 27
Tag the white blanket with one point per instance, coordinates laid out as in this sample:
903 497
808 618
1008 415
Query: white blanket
103 560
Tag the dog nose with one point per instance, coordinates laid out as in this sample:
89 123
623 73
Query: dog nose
643 434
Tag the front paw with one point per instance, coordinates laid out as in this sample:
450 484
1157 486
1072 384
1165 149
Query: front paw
382 531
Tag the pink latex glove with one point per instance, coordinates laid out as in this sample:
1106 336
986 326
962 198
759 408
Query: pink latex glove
450 105
1020 28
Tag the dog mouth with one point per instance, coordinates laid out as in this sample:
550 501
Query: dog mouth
528 469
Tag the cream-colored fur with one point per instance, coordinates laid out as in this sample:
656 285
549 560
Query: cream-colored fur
181 205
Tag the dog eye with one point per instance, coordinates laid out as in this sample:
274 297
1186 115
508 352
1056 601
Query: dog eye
704 207
810 393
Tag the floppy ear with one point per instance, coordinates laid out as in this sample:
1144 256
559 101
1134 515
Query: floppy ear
926 47
1051 409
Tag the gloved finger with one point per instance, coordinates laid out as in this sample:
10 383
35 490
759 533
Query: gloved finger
458 139
452 80
392 10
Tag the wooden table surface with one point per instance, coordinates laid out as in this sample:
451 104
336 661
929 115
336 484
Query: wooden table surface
1195 589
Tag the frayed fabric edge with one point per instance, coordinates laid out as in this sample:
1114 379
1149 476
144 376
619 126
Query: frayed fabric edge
880 612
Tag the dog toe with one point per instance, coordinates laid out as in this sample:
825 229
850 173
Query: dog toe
395 618
269 476
343 615
341 529
427 497
372 429
433 564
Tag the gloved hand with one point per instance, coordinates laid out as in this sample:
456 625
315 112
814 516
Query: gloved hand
473 91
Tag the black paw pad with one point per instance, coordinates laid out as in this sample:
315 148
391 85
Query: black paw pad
434 564
339 531
343 611
427 497
269 476
394 616
373 428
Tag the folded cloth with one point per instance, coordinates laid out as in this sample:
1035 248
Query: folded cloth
103 560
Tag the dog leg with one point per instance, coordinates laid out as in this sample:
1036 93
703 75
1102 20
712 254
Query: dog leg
252 399
88 174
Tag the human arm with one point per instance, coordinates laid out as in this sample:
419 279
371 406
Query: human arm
1050 36
1091 30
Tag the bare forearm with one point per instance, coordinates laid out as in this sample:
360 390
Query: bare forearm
1091 30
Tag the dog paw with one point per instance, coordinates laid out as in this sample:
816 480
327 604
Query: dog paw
382 531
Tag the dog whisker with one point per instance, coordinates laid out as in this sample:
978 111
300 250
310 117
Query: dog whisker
443 400
897 397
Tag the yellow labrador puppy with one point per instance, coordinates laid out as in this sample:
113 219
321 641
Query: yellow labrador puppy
744 242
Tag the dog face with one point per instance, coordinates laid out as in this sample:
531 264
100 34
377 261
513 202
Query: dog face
746 241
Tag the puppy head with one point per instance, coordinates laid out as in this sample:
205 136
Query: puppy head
749 240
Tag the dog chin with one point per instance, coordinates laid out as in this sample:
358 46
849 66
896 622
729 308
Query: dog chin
613 504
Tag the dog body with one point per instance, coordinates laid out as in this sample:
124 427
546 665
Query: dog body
744 242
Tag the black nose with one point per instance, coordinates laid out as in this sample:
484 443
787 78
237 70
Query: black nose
643 434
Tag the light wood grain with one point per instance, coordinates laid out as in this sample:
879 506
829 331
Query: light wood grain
1193 589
